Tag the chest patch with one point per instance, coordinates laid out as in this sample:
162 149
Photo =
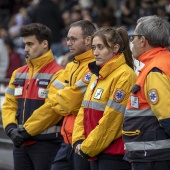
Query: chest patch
98 94
42 93
86 78
153 96
119 95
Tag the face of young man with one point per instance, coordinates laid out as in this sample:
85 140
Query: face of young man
75 41
33 48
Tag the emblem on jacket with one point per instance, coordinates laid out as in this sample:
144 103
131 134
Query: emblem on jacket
42 93
153 96
119 95
87 77
134 102
98 94
18 91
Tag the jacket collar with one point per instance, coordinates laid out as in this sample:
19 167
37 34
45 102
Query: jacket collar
41 61
108 67
84 56
151 54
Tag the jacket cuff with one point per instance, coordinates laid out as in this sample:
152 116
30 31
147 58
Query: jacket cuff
9 127
84 155
76 143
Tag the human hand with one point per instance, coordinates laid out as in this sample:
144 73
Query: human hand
16 137
77 149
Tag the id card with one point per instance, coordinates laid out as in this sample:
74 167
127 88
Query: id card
42 93
134 102
18 91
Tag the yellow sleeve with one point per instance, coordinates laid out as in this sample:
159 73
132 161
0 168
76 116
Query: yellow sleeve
157 92
78 131
10 104
58 83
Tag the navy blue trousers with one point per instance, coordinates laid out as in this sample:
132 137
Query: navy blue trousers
38 156
67 159
109 164
155 165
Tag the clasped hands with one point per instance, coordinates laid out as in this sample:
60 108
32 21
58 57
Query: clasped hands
18 136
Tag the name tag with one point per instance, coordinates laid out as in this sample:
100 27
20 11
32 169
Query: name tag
42 93
18 91
134 102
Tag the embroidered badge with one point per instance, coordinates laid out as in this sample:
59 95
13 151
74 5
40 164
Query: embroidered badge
119 95
98 94
153 96
87 77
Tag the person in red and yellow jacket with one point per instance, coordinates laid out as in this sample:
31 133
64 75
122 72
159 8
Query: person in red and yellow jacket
98 125
67 91
146 130
28 118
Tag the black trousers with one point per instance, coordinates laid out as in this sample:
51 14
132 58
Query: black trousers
38 156
67 159
155 165
109 164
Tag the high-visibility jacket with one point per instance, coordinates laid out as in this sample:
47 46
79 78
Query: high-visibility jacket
67 91
98 125
146 130
25 99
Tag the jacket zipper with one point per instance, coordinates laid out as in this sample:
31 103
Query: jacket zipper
23 114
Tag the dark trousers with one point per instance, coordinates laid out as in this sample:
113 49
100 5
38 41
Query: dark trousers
38 156
109 164
67 159
156 165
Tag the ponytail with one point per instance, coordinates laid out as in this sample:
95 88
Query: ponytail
126 47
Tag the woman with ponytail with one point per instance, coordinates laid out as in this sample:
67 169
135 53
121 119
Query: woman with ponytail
98 126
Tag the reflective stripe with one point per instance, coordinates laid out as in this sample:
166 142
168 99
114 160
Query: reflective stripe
94 105
137 113
43 76
81 85
53 129
21 75
10 91
58 84
37 76
151 145
117 106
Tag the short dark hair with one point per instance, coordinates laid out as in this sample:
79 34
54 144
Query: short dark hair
86 26
40 31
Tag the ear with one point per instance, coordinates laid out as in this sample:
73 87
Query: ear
116 48
45 44
88 40
143 41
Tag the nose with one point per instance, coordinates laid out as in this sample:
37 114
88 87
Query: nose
69 43
26 48
95 52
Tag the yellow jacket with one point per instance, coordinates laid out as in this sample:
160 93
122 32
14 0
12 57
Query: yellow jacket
98 125
25 98
67 91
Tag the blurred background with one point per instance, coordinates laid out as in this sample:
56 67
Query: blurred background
58 15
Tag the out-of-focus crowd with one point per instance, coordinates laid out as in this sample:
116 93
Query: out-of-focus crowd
58 15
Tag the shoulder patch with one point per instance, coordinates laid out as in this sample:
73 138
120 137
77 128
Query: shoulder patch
153 96
119 95
86 78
